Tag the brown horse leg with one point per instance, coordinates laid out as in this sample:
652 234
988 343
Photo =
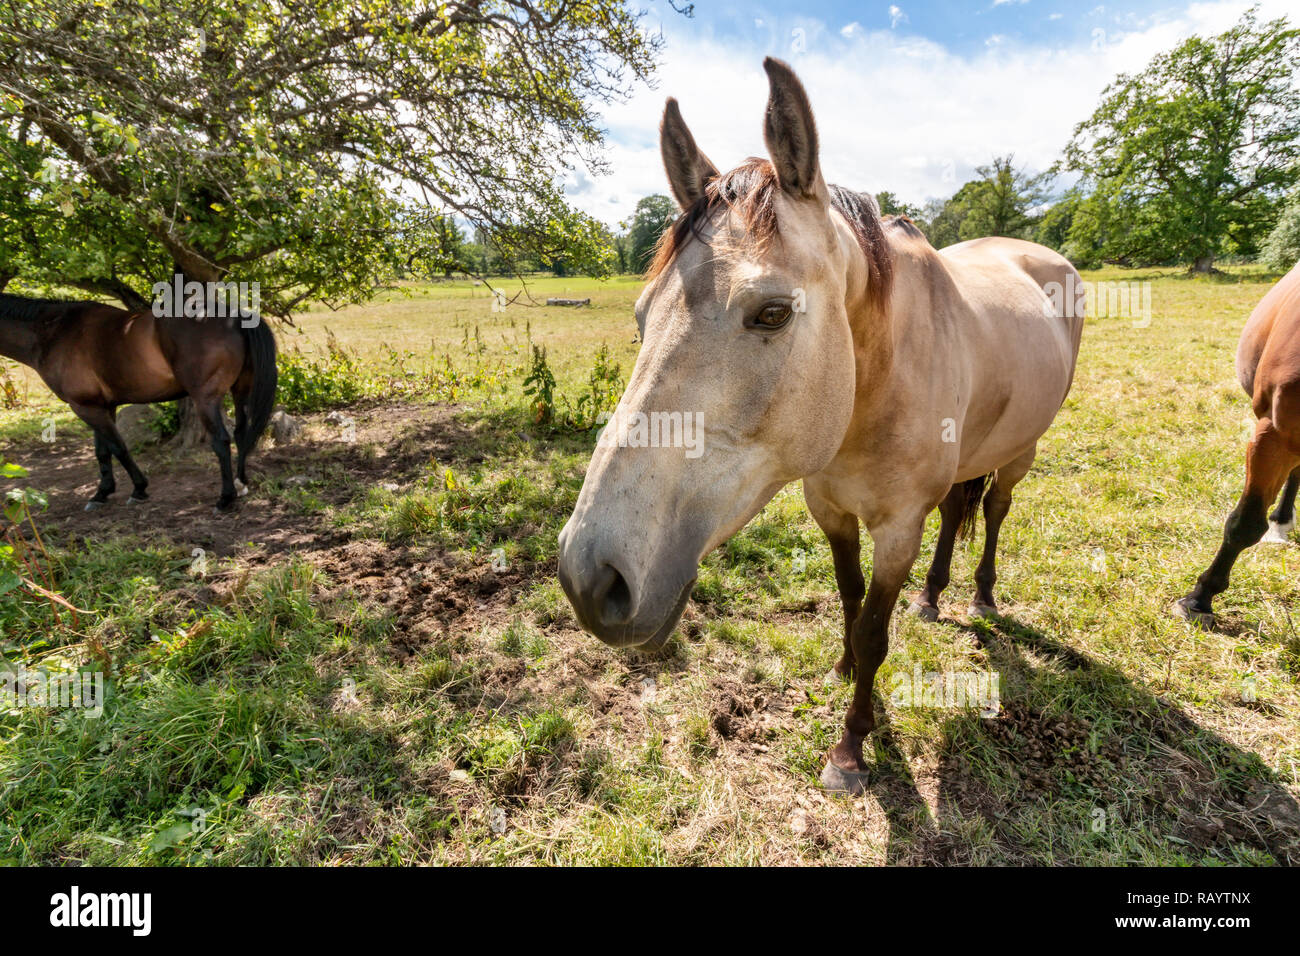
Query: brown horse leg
107 483
109 444
1268 462
1282 520
997 502
841 530
926 604
210 410
241 438
896 547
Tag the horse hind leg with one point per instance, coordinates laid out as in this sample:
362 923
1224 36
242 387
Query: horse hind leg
1269 460
210 410
1282 521
952 510
242 443
997 502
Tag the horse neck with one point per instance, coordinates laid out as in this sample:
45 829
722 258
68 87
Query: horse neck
19 340
872 322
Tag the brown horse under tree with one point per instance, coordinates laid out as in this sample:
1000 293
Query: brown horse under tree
96 357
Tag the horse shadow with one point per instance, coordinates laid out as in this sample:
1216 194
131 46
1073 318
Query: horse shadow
1145 770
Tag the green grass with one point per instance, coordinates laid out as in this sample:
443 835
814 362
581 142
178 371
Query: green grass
271 714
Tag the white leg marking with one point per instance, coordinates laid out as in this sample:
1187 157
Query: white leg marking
1279 533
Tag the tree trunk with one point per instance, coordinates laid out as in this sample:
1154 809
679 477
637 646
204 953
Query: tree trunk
192 433
1203 265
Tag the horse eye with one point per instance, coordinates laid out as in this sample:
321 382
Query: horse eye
771 317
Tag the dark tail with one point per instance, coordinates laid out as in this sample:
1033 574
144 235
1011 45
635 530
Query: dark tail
260 357
972 494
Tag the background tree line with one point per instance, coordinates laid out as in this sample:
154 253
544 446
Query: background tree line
1194 159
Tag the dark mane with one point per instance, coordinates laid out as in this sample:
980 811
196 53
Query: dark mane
748 192
31 310
904 224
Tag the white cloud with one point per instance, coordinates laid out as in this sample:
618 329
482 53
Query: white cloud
896 16
895 111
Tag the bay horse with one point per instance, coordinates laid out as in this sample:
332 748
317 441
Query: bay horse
1268 368
96 357
815 341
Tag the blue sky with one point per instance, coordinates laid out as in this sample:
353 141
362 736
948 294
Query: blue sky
910 96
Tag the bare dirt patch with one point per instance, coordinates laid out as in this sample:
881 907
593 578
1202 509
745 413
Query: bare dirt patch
393 442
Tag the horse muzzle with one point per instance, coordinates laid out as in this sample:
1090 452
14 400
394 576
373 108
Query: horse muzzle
614 602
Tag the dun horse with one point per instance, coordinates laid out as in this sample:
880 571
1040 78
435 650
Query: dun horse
1268 367
96 357
813 340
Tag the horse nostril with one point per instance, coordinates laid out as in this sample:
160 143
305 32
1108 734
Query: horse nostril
611 597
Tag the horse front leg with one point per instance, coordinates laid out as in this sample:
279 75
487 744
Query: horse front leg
841 530
896 547
107 483
109 444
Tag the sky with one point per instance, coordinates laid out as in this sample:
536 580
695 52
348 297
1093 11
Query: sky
909 96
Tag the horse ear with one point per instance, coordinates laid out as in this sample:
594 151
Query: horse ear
688 169
791 133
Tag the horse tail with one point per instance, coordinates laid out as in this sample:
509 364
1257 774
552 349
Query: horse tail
972 494
259 357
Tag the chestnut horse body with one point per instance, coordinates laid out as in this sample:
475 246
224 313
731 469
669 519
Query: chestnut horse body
96 357
1268 367
816 341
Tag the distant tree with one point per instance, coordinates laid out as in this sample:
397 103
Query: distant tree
942 218
1281 250
1002 202
653 215
1194 152
891 205
623 253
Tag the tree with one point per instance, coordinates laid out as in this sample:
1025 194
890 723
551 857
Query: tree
891 205
1282 248
1193 152
1002 202
653 215
279 143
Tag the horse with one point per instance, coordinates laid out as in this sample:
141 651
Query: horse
96 357
815 340
1268 368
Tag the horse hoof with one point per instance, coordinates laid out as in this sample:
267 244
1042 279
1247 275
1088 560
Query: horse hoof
137 499
985 612
93 505
241 489
1202 619
924 611
1278 533
836 780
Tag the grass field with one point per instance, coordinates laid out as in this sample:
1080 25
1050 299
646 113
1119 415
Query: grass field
373 663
